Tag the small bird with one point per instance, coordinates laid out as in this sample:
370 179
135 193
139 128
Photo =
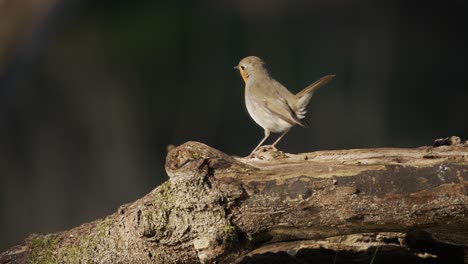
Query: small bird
269 103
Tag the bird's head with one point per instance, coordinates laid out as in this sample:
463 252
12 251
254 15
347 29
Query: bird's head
250 66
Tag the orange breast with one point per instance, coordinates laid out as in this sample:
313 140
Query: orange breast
244 75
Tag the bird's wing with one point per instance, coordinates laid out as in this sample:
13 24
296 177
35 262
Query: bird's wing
283 110
275 100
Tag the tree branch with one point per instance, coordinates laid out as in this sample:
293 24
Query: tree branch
410 203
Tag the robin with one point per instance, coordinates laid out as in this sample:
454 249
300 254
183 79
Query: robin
269 103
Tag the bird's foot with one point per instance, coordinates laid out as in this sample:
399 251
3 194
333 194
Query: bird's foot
267 148
267 152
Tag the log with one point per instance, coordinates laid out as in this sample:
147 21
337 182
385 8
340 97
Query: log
342 206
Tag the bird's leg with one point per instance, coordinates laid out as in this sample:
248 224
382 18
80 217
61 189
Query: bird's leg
267 134
279 138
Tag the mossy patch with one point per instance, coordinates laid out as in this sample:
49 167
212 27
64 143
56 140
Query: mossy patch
82 252
103 227
164 193
230 237
155 216
42 250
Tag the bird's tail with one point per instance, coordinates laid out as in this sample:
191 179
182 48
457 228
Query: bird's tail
303 97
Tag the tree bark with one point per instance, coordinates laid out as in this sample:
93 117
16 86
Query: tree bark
354 205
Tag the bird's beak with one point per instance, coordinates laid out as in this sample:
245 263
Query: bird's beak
236 67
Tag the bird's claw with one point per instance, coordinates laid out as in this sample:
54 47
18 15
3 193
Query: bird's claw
262 149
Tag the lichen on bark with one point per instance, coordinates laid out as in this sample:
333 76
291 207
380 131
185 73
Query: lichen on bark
218 208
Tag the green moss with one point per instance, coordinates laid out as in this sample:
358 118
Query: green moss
165 194
73 254
229 236
164 198
103 226
83 250
155 222
155 217
42 250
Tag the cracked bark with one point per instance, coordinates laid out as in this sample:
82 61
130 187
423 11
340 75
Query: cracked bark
342 205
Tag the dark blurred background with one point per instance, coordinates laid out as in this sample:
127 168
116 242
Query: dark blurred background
92 92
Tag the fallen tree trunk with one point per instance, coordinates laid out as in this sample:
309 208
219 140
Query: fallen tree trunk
410 204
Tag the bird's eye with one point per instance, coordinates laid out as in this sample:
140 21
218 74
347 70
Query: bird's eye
242 67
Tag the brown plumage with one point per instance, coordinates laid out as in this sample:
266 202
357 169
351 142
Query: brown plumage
269 103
